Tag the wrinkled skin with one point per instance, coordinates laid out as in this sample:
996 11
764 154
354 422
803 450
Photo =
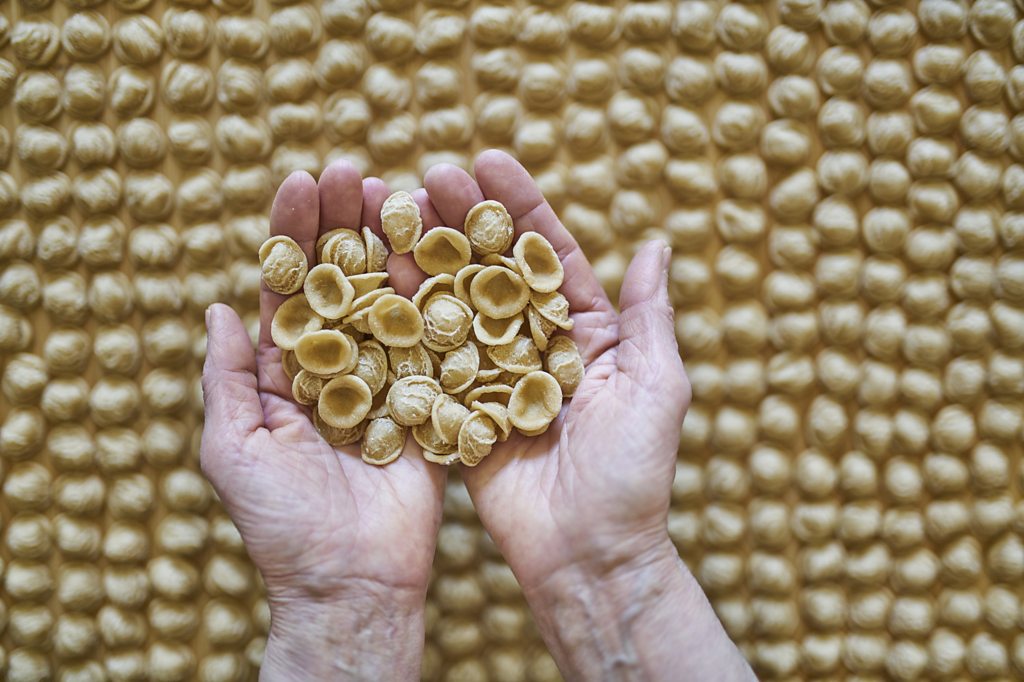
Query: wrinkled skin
316 519
597 484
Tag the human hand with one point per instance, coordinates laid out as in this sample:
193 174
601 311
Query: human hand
344 548
580 512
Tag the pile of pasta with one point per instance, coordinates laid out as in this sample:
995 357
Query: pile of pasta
471 356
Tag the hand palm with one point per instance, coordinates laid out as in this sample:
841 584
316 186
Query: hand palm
314 517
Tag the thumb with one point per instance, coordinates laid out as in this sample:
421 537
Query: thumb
648 352
232 403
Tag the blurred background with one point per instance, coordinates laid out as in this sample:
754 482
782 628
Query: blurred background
840 184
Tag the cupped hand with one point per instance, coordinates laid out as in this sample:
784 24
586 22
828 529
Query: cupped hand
594 489
318 522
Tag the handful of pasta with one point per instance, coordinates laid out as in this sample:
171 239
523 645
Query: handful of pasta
472 356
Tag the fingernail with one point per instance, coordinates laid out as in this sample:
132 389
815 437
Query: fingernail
209 310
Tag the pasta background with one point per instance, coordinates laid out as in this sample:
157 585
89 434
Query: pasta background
840 181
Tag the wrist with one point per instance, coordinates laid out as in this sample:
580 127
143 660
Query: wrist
364 631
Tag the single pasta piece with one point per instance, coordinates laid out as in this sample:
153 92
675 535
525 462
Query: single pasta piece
364 284
401 221
442 250
283 264
344 401
292 319
430 440
463 279
459 368
328 291
410 399
372 365
541 329
376 252
554 308
306 387
489 228
446 322
395 321
336 436
325 352
498 292
476 438
447 415
494 332
346 249
538 262
411 361
563 362
383 441
498 414
438 284
518 356
535 402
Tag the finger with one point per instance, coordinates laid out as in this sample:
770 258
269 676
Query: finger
504 179
403 274
648 352
375 192
231 401
453 192
341 197
428 213
296 214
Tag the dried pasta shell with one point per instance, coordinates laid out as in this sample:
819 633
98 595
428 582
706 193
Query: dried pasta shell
442 250
328 291
411 361
538 262
498 414
504 261
380 406
395 321
498 292
519 356
446 460
564 363
325 352
336 436
488 371
359 320
376 252
364 284
492 332
476 438
431 441
292 319
447 415
383 441
535 402
344 401
446 322
289 364
372 365
459 368
306 387
346 249
463 279
489 228
411 398
438 284
554 308
541 329
353 355
366 301
283 264
489 393
401 221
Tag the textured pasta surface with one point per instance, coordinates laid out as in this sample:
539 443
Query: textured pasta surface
843 187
